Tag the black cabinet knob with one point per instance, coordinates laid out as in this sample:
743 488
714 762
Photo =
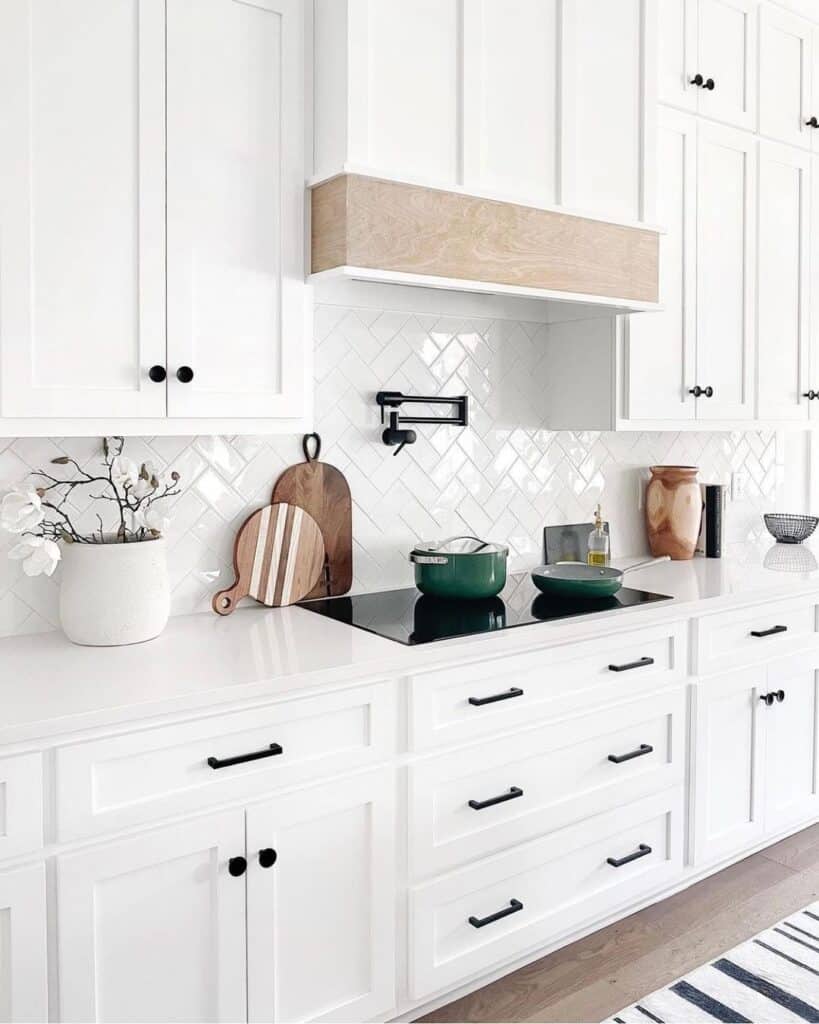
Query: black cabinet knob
709 84
184 375
237 866
699 392
810 395
697 80
768 699
157 374
267 857
780 695
812 123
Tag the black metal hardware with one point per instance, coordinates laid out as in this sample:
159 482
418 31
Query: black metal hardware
810 395
780 695
184 375
642 663
237 866
481 922
699 392
641 851
644 748
513 794
769 632
478 702
267 857
394 434
257 755
157 374
812 123
768 698
709 84
697 80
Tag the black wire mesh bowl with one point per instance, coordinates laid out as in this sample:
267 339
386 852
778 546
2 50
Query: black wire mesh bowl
787 529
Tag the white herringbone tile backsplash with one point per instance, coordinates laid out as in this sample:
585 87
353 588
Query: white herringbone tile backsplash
504 477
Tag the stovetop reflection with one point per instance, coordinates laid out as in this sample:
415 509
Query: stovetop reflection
410 617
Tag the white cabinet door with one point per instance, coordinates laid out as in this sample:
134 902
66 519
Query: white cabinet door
727 61
608 107
321 916
152 928
812 113
782 282
678 40
235 181
23 977
662 346
785 59
82 207
726 251
728 763
791 733
812 380
510 58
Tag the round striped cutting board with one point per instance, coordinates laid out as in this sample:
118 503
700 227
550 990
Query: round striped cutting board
278 558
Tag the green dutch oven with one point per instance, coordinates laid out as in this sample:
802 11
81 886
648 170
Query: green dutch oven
460 568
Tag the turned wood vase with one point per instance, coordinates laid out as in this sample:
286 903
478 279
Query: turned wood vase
673 511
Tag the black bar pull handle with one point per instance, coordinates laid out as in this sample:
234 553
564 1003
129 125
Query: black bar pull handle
769 632
478 702
513 794
644 748
482 922
641 663
641 851
257 755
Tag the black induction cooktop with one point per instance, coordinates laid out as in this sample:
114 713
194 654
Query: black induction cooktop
413 618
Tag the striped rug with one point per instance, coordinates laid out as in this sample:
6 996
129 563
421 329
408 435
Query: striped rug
773 977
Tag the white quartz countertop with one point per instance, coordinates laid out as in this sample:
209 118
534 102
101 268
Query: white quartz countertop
48 686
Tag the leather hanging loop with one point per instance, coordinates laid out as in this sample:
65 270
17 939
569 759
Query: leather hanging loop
305 445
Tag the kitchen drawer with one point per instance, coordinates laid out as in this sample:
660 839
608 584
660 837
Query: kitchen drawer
136 778
462 703
543 779
21 804
557 883
727 640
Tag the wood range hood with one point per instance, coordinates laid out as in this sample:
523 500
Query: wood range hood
385 230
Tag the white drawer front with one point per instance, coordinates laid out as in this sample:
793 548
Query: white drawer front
562 881
544 779
126 780
21 804
751 635
450 705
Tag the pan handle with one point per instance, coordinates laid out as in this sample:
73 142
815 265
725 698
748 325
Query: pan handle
305 447
649 561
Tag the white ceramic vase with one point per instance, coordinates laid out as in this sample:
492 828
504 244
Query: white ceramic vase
113 594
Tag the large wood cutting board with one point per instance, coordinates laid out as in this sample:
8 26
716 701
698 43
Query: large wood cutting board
321 490
278 557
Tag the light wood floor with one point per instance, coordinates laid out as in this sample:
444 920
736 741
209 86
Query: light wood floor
593 978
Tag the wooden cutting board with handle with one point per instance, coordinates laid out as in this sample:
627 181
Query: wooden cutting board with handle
321 490
278 557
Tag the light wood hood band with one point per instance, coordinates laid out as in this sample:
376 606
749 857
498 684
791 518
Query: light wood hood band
386 225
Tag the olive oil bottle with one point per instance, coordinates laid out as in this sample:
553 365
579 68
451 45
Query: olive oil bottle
598 553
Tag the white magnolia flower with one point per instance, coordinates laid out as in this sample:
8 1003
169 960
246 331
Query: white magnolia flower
21 511
38 555
124 472
151 520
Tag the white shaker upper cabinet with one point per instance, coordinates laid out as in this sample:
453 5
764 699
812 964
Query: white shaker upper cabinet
82 207
510 114
726 249
608 107
785 59
782 282
662 346
235 169
707 58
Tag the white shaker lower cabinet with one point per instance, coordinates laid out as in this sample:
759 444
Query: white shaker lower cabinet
152 927
23 979
321 917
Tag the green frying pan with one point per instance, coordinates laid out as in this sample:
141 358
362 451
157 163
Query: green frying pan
576 579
